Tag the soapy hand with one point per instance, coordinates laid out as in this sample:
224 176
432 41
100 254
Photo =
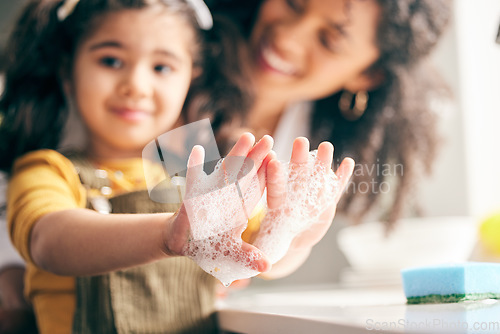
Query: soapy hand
215 211
302 202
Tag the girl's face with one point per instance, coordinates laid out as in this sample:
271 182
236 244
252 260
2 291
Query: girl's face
308 49
130 79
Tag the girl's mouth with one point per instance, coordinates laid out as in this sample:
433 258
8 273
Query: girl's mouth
131 115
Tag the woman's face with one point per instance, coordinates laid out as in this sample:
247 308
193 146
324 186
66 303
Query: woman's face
308 49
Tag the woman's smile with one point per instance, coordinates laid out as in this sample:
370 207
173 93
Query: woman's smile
270 60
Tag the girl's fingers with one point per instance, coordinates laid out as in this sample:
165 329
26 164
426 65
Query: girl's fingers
242 146
253 165
262 172
254 258
276 184
195 163
325 154
197 156
243 157
300 151
252 196
235 160
260 151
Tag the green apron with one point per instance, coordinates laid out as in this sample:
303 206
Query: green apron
173 295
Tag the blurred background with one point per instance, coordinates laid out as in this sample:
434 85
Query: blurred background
465 186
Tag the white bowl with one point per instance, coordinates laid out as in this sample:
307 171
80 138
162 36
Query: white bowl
413 242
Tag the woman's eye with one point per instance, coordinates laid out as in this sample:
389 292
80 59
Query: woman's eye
111 62
295 5
163 69
329 42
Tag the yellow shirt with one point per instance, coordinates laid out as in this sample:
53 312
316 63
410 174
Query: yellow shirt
43 182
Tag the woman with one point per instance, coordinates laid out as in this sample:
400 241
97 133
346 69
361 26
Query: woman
352 72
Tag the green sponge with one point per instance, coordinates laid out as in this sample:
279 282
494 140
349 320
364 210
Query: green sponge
452 283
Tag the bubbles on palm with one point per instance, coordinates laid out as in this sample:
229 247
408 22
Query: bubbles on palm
217 206
311 189
218 218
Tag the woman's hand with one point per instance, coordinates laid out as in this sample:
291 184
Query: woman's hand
312 235
301 203
215 211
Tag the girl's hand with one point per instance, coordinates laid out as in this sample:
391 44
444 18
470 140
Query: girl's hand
215 211
302 202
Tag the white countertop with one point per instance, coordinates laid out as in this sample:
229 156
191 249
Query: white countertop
353 310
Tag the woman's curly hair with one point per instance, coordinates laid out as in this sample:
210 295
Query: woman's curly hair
399 127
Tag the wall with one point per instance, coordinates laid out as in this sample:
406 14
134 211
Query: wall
466 180
445 192
479 96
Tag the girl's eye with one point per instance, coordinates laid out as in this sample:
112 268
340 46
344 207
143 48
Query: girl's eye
163 69
295 5
111 62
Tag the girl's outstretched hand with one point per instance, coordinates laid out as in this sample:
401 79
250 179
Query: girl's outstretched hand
301 199
208 226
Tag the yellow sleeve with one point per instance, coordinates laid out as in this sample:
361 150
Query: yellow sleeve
42 182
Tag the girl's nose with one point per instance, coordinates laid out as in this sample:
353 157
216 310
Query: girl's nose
136 83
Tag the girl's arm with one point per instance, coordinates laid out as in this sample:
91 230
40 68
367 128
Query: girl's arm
83 242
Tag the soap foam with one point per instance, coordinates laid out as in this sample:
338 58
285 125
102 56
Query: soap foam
311 189
218 206
222 256
218 212
222 200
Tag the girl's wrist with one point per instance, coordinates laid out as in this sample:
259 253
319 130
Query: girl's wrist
167 226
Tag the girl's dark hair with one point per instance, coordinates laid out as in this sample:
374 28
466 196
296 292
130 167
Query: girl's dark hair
33 107
398 128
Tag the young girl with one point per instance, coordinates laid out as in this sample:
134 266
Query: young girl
126 67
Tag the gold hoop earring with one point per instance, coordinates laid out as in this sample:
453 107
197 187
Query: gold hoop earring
359 108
